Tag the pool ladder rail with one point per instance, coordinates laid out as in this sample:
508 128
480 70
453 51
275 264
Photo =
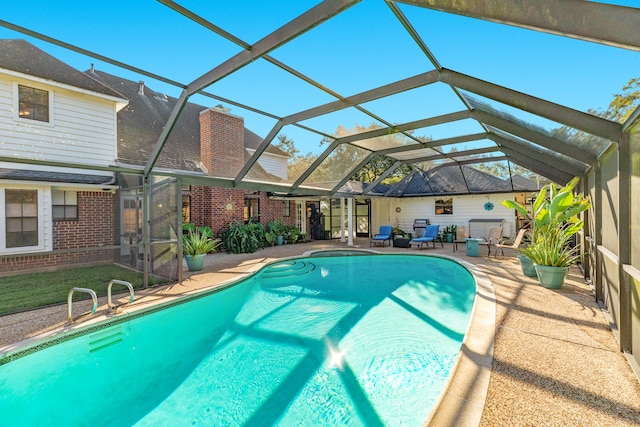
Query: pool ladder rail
110 305
91 292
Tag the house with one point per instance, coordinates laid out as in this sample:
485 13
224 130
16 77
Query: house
51 115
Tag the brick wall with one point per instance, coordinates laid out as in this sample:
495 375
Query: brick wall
222 153
209 206
217 207
221 143
93 228
271 210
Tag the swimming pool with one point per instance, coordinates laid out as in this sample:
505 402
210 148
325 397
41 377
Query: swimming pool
366 340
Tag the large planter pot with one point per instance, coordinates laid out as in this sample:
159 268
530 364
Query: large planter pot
195 262
448 237
280 240
401 242
527 266
551 277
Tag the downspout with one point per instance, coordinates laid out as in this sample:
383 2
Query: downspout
146 228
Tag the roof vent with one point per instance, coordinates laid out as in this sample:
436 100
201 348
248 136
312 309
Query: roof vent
221 108
92 69
161 97
141 89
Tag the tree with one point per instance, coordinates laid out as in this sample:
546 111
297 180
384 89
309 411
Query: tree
624 103
620 109
344 157
287 145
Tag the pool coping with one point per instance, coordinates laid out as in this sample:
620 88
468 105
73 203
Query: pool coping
462 400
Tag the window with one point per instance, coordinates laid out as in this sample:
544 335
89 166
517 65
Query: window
251 210
444 206
33 103
186 209
65 205
21 207
286 208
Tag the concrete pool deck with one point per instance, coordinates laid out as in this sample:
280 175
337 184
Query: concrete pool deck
555 359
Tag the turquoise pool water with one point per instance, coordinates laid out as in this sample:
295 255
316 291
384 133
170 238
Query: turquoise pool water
363 340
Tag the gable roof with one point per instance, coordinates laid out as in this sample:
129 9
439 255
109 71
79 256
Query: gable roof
21 56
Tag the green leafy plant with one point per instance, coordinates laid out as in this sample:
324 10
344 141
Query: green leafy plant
554 219
450 229
270 237
244 238
399 233
277 227
203 230
294 234
197 242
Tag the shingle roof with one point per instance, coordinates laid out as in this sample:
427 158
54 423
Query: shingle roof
252 141
521 183
23 57
141 122
449 179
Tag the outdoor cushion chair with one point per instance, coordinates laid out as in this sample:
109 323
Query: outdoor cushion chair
495 234
461 236
508 244
382 236
430 235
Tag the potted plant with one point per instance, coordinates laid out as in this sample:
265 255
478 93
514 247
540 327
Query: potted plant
293 233
196 244
555 221
450 233
270 237
279 228
400 237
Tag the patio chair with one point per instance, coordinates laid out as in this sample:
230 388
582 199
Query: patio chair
430 235
495 234
382 236
461 236
510 245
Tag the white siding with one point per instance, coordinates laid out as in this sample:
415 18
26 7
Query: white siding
82 128
464 208
273 163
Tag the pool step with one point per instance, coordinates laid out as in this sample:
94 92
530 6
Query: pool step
106 338
288 269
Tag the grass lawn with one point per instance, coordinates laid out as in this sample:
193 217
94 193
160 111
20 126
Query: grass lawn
28 291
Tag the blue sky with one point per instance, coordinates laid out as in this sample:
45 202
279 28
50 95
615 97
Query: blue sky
360 49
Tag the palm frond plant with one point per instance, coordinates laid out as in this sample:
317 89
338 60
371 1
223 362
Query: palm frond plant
198 242
554 220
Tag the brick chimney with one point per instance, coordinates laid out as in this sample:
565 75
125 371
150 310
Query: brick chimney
221 142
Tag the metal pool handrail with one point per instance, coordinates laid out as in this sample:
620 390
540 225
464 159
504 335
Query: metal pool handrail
70 301
112 306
